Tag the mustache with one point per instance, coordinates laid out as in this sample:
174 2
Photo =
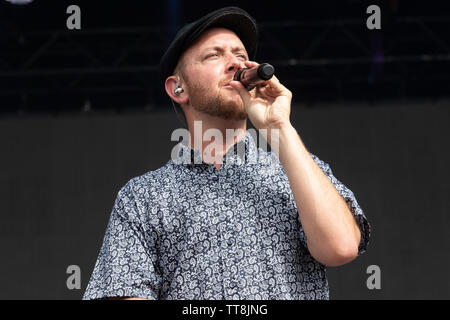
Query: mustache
225 82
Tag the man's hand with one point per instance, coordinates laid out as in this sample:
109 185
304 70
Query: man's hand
268 106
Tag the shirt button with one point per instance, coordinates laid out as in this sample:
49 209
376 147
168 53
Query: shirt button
233 284
230 242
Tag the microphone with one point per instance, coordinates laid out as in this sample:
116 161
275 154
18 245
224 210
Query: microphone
251 77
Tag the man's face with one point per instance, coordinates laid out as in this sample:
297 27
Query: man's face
209 65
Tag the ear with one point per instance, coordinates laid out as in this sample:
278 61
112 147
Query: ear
170 85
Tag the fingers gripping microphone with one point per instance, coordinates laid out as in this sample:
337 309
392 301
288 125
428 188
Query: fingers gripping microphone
252 77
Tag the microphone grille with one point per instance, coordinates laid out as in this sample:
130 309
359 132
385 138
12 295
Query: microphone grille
265 71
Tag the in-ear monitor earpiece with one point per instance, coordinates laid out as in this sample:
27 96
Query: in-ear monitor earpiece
178 90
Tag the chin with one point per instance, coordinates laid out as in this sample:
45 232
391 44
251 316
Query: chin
233 110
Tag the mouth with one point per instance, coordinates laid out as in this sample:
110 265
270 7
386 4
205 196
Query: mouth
227 85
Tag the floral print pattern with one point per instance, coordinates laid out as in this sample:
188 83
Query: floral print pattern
190 231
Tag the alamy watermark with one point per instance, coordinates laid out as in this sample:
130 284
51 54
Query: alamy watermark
374 20
74 280
74 20
374 281
213 152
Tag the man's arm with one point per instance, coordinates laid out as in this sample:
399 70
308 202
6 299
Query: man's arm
125 267
332 233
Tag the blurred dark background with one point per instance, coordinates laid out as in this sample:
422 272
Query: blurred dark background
82 112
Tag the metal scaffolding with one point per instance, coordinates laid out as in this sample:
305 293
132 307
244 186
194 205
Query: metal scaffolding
117 68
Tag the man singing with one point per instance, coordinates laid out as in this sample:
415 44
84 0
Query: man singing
220 226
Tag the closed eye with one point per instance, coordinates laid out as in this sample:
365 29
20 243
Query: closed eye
215 54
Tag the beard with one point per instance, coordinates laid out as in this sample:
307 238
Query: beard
221 104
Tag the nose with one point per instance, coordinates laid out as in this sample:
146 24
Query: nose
233 64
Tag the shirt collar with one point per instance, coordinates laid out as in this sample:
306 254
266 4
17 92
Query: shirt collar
242 152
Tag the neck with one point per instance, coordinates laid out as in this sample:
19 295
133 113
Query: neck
214 136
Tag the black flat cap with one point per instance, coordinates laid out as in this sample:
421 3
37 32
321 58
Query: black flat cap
232 18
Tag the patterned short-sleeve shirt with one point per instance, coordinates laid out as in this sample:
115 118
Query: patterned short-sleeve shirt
190 231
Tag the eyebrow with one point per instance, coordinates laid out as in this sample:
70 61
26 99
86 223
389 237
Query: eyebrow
234 49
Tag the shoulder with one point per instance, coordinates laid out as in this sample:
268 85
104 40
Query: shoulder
151 180
142 192
269 162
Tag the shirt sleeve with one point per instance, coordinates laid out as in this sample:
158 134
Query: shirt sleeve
352 203
127 262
